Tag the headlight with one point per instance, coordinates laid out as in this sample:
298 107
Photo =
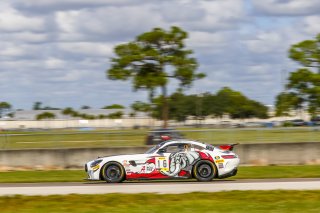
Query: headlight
95 165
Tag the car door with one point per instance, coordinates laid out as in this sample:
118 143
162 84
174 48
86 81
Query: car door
140 166
174 160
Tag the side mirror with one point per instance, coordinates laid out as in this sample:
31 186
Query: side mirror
161 150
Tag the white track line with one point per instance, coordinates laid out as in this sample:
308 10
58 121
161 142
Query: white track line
172 188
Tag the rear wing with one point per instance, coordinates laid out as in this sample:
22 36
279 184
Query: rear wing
228 147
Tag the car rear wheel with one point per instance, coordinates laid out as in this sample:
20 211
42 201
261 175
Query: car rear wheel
113 172
204 170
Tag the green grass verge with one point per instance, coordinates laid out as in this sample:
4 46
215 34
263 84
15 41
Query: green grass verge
42 176
255 172
112 138
234 201
263 172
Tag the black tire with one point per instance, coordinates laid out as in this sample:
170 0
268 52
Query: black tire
204 170
113 172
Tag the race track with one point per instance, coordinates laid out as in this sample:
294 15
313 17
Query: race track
158 187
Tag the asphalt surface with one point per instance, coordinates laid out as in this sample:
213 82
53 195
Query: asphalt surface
174 187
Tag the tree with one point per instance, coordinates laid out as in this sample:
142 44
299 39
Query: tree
115 115
287 101
85 107
182 106
237 105
46 115
37 105
303 86
4 106
307 53
140 106
68 111
151 59
114 106
225 101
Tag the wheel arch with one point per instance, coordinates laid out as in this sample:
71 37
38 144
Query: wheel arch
112 162
208 160
216 174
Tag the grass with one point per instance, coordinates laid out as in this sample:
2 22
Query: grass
42 176
263 172
235 201
255 172
112 138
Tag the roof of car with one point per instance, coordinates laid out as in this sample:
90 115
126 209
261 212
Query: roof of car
163 130
182 141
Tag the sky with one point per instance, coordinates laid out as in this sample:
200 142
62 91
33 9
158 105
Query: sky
57 51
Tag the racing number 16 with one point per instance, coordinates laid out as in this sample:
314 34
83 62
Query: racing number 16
162 164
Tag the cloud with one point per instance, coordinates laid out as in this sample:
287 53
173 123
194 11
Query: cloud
87 48
47 6
16 50
265 43
24 37
106 24
204 15
310 25
57 51
286 7
12 20
54 63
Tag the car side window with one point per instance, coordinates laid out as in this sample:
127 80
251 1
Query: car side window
174 148
197 148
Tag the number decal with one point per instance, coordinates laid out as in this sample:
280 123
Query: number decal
162 164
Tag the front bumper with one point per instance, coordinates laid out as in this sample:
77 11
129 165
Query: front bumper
93 174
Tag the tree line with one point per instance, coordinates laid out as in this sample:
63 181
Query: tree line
225 102
76 114
181 106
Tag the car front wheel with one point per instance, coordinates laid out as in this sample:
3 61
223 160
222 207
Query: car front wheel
113 172
204 170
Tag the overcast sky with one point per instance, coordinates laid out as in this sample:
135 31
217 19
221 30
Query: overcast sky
57 51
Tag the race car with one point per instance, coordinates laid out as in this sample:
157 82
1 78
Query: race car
169 159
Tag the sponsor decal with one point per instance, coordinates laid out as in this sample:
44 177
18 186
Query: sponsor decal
95 168
219 161
216 157
148 168
220 165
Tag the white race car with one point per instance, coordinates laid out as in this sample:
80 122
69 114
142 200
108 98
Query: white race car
169 159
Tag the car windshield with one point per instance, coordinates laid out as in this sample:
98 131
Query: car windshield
153 149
